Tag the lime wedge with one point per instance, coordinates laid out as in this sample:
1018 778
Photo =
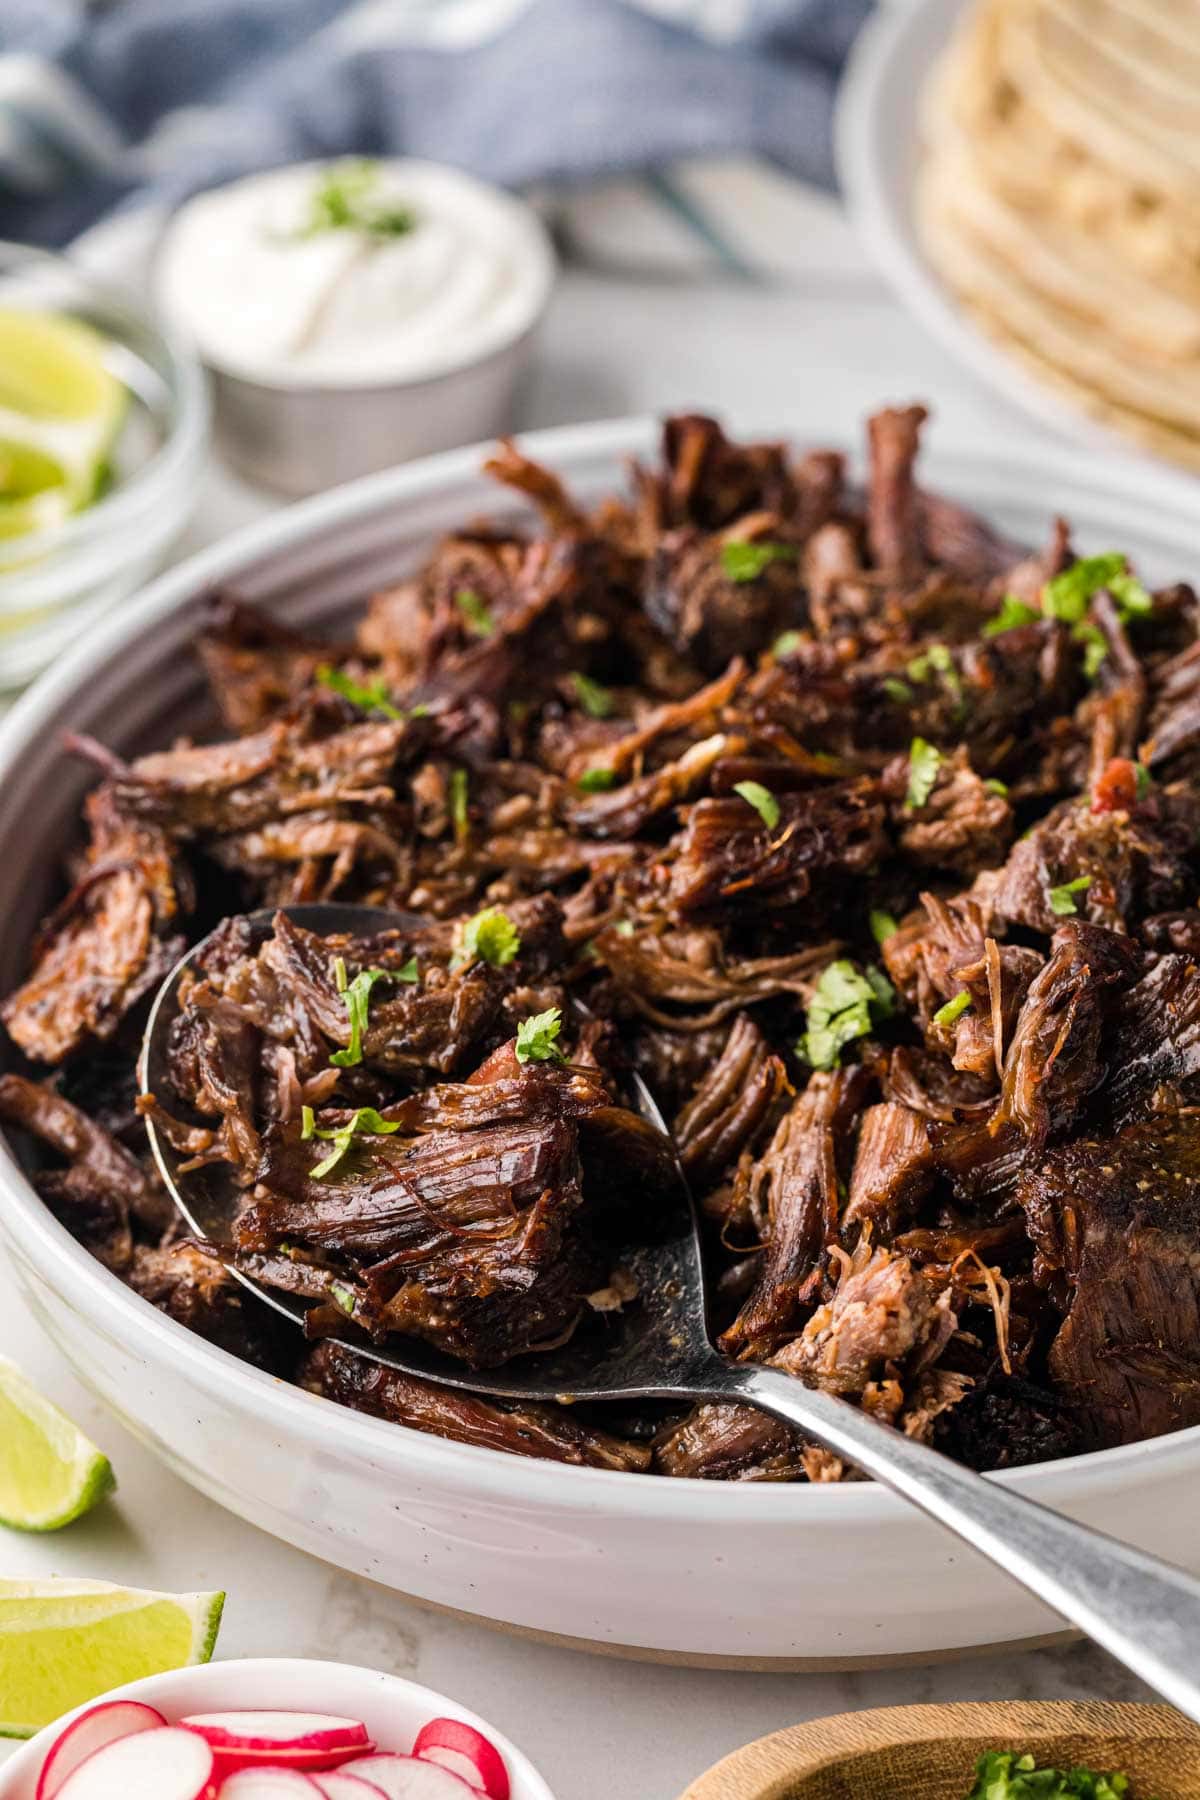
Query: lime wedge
49 1472
61 409
52 367
64 1642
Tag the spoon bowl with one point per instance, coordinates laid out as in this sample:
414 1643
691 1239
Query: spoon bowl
1144 1611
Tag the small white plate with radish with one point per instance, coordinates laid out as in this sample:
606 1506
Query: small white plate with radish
271 1729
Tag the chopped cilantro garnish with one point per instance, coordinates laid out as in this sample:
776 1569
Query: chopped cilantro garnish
1008 1775
357 998
366 1119
883 926
897 690
946 1015
474 610
537 1037
1133 600
624 927
994 785
1062 901
1068 595
343 199
372 697
489 937
1143 781
937 660
924 761
594 698
597 781
1013 612
1095 646
342 1297
458 802
845 1004
785 643
745 561
761 799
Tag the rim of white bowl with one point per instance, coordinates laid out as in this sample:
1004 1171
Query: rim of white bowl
496 1473
24 1760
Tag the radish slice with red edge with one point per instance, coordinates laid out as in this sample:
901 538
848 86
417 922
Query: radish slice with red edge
335 1784
291 1737
410 1778
268 1784
90 1732
162 1764
457 1746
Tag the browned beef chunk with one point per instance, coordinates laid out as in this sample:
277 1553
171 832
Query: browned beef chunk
1004 1422
1154 1041
257 668
1118 1220
1130 866
732 1106
543 1431
730 1443
893 507
102 1187
729 862
682 979
108 944
708 615
893 1168
1053 1065
193 1288
708 481
794 1199
963 825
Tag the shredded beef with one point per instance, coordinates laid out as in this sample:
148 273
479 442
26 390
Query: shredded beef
814 805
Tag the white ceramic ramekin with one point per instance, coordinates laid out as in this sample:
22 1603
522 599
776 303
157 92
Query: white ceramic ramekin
392 1709
820 1575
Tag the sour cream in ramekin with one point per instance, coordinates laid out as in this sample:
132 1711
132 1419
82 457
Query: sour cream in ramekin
268 286
355 313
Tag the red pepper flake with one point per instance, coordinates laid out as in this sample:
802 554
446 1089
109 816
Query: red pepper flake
1120 787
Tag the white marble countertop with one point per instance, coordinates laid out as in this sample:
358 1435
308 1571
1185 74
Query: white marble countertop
813 357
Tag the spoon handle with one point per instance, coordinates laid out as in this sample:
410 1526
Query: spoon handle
1143 1611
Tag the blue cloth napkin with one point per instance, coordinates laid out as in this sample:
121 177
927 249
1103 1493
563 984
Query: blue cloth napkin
107 101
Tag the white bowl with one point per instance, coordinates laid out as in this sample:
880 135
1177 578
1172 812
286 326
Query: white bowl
806 1575
878 148
392 1709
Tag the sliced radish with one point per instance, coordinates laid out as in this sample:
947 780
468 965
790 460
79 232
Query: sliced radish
291 1732
268 1784
458 1747
409 1778
162 1764
90 1732
335 1784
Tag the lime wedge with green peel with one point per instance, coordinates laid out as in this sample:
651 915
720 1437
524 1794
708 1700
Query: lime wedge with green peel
61 409
49 1472
53 367
65 1642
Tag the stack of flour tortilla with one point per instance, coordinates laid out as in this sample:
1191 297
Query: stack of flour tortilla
1059 197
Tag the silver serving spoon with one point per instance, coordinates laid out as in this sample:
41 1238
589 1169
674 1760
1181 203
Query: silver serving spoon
1145 1612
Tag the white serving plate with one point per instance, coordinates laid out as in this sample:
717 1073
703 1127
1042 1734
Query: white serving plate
392 1709
878 148
807 1576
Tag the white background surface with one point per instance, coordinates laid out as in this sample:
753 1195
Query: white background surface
814 358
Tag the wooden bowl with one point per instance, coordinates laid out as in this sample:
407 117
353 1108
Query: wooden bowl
929 1752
